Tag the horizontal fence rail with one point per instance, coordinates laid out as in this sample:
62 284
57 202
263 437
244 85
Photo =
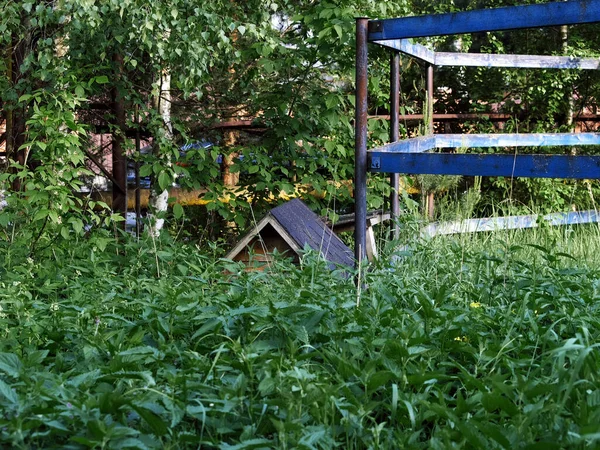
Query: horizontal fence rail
490 59
490 165
493 19
426 143
413 156
510 223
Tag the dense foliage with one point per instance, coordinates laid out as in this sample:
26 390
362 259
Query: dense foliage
287 66
486 341
453 346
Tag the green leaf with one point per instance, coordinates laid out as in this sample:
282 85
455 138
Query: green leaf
7 392
472 434
249 444
379 379
494 432
177 211
493 401
156 424
10 364
129 443
338 30
84 378
145 170
102 79
36 357
141 350
56 425
164 180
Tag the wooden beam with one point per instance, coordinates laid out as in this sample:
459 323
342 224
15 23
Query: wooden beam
490 165
515 61
495 19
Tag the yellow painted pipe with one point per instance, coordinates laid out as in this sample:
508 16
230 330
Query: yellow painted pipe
196 197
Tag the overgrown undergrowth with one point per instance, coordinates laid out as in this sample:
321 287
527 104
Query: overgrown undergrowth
483 342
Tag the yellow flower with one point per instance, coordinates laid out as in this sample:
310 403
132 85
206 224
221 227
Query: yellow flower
475 305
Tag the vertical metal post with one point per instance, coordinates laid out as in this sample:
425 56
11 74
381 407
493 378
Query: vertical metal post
138 203
430 99
360 152
394 135
119 159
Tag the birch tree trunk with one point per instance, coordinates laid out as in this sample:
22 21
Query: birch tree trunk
159 201
564 32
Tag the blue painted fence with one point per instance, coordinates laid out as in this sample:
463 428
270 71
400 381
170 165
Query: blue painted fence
488 165
496 19
510 223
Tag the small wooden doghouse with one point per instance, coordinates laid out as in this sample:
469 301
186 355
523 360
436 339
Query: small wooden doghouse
288 229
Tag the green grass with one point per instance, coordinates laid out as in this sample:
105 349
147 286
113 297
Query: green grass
478 341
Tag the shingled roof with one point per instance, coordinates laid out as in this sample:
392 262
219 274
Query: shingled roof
299 227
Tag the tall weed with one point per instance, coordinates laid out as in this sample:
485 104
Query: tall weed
468 341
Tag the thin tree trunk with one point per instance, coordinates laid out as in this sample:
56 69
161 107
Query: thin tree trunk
564 32
431 206
159 200
230 179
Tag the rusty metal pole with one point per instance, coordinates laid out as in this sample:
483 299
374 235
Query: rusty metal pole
138 202
430 99
119 159
360 152
394 136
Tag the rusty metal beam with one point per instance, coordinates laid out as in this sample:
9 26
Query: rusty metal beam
394 136
360 152
119 159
